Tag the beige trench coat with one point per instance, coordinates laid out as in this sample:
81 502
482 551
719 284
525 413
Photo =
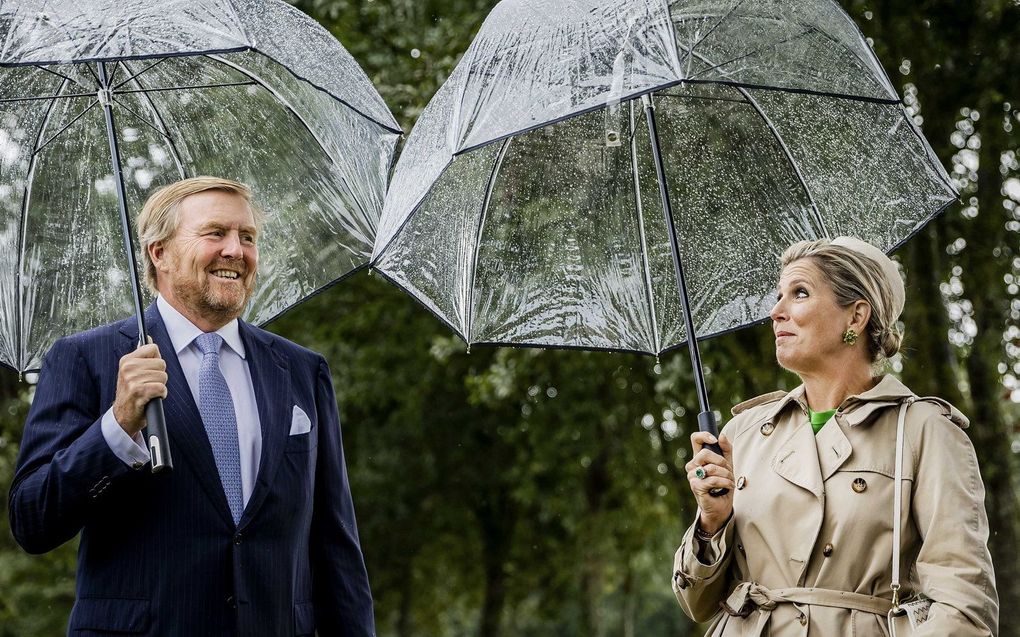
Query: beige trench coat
808 550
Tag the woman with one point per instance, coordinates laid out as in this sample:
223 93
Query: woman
802 542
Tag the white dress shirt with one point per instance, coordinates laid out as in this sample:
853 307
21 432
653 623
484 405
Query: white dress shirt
235 370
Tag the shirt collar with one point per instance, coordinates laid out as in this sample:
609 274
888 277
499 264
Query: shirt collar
183 332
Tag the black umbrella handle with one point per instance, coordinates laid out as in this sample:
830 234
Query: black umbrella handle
706 422
156 436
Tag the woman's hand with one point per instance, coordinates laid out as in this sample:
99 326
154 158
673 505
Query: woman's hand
718 472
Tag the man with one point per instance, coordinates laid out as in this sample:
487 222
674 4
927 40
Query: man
253 532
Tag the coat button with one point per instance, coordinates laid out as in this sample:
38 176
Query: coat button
767 429
827 550
741 482
859 485
803 619
237 539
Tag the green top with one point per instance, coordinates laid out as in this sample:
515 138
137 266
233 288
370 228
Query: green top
819 418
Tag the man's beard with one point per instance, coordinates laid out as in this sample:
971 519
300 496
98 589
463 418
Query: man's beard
222 307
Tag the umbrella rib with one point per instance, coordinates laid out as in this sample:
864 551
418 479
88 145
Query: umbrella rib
93 72
280 98
188 87
739 57
715 26
159 118
789 156
22 235
64 128
641 231
496 165
38 98
135 76
49 70
164 134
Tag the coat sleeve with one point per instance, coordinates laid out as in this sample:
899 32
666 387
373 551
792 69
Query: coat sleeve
699 587
64 463
953 565
343 600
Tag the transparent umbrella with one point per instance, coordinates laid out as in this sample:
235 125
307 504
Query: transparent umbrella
621 175
103 101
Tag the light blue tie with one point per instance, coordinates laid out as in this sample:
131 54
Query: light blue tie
217 410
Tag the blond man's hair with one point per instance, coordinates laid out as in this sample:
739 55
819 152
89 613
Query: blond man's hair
161 214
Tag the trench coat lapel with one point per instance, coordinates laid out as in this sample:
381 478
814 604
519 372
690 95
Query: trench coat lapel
270 377
797 458
833 448
189 442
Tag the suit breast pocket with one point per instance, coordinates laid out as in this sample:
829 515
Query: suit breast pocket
302 443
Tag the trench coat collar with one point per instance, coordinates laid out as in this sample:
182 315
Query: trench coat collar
808 459
854 410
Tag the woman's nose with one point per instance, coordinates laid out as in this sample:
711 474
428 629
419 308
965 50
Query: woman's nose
777 312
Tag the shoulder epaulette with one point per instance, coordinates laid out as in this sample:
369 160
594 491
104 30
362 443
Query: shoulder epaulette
758 400
948 410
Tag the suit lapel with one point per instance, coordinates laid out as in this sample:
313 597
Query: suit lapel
189 443
270 377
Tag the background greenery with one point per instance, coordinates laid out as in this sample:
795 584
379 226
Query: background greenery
530 492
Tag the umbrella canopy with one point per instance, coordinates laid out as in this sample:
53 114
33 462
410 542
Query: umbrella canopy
253 90
525 207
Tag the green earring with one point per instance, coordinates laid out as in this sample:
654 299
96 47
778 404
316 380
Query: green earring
850 336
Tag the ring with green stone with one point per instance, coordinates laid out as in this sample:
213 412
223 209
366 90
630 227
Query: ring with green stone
699 473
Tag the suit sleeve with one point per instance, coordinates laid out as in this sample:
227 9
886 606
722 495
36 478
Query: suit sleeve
343 600
64 463
953 564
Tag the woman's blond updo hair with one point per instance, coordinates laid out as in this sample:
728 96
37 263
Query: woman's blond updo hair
856 271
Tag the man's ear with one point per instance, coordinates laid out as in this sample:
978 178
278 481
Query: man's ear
157 254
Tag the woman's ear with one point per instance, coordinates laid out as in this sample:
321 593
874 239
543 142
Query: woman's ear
860 315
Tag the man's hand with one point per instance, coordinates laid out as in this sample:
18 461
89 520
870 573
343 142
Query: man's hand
141 378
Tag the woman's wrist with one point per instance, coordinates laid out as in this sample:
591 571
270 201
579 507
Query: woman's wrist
705 531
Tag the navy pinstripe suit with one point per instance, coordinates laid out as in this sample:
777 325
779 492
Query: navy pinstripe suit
160 554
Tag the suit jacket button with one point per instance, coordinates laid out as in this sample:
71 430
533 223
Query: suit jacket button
237 539
231 602
827 551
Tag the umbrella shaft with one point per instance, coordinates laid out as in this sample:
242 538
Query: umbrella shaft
125 222
156 434
667 211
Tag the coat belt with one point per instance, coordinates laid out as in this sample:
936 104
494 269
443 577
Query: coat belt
749 597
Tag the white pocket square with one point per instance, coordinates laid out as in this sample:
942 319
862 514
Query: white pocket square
299 422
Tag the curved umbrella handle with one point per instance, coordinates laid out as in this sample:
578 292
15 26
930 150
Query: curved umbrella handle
156 436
